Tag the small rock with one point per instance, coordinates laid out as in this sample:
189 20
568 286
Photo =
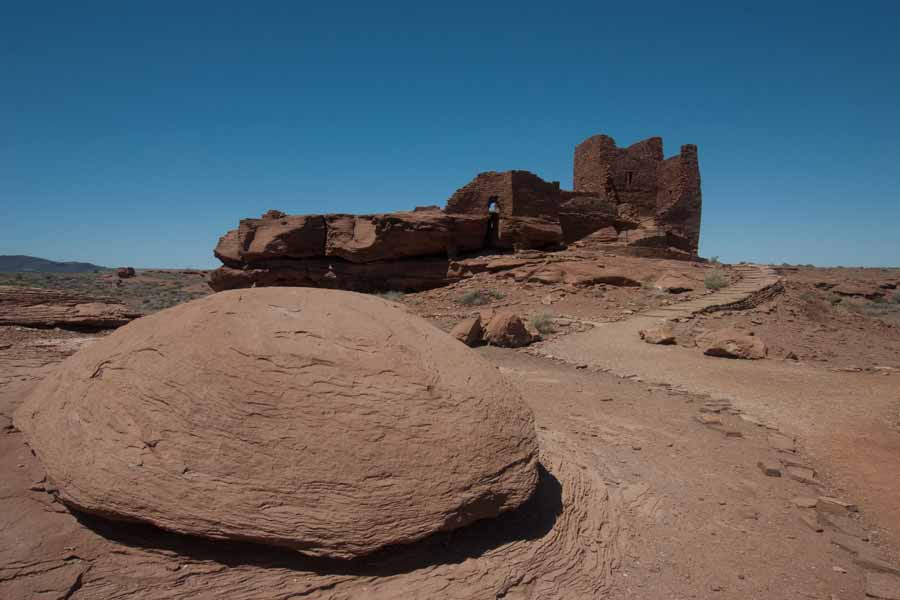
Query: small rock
707 419
771 469
838 569
661 334
468 331
802 474
782 443
835 505
804 502
811 523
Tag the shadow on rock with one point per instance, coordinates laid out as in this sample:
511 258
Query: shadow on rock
531 521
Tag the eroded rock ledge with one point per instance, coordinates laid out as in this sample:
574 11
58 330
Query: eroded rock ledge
628 200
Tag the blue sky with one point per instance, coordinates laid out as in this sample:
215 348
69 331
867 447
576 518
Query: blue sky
138 132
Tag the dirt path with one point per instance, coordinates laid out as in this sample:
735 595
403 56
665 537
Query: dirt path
847 422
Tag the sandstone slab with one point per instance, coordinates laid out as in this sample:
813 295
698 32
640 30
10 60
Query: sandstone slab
41 307
328 422
468 331
730 343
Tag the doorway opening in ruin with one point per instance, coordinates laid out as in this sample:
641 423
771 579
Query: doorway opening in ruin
493 226
629 179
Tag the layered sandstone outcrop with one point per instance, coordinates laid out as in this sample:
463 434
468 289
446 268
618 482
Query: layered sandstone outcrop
41 307
322 421
629 200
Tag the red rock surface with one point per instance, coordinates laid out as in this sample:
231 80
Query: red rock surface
630 200
327 422
506 329
730 343
40 307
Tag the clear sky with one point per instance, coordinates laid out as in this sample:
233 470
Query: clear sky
137 132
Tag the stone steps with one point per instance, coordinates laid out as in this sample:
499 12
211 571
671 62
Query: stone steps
754 278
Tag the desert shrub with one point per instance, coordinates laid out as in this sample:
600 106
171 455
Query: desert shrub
815 307
542 322
715 280
480 297
392 296
648 283
473 298
896 298
714 260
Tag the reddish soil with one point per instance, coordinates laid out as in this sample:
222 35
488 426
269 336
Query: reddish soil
673 436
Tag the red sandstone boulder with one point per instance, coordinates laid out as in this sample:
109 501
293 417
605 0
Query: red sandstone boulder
410 274
579 274
730 343
468 331
328 422
391 236
661 333
507 329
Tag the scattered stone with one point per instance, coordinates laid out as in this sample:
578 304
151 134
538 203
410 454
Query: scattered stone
835 505
733 433
802 474
849 543
468 331
811 523
791 356
804 502
304 456
706 419
125 272
782 443
771 469
662 334
730 343
838 569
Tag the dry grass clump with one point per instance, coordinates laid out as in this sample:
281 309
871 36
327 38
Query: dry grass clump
715 280
392 296
480 297
543 323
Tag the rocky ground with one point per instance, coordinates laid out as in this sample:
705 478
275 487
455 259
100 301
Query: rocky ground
676 474
147 291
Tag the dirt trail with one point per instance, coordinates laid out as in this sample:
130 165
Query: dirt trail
845 421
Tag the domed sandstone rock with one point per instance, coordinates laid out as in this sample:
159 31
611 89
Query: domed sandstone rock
329 422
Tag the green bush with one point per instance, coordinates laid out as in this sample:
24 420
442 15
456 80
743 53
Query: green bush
715 280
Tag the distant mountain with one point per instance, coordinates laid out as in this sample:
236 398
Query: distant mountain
14 263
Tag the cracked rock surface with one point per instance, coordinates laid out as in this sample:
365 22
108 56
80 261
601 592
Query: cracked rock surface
328 422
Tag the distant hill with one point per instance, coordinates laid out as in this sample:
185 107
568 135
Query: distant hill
14 263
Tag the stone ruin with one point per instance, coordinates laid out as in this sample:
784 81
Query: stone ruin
625 200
